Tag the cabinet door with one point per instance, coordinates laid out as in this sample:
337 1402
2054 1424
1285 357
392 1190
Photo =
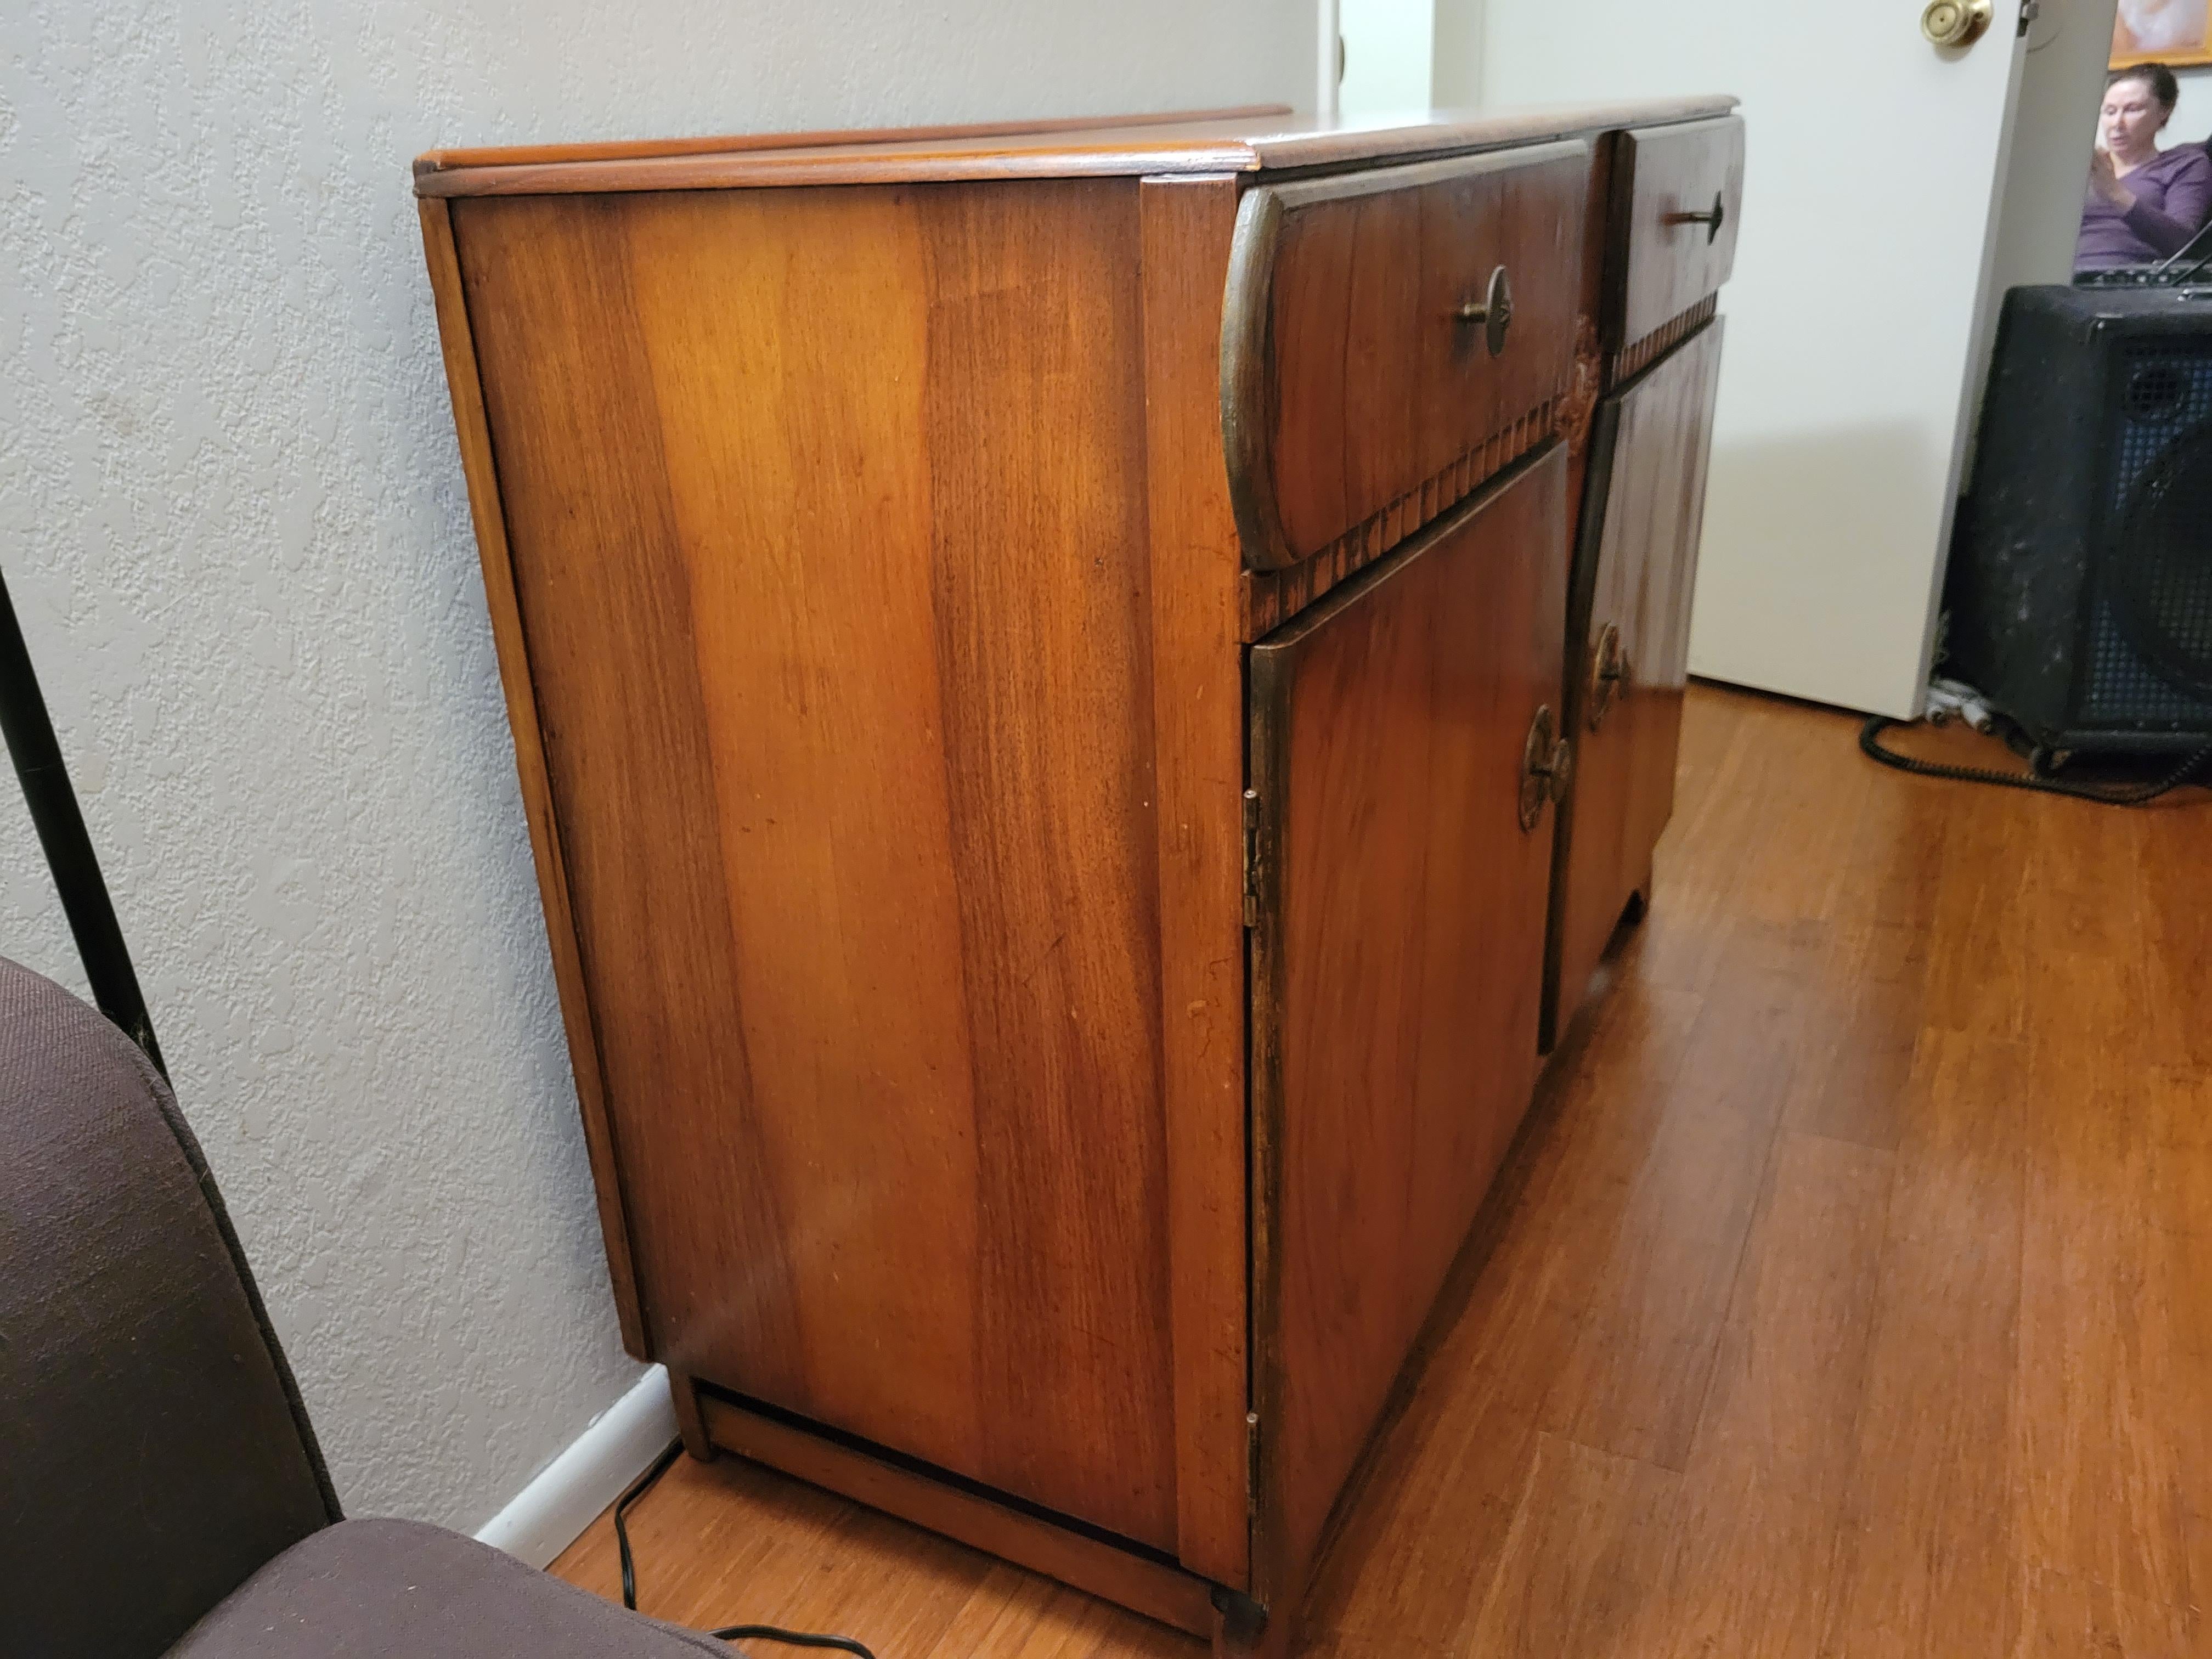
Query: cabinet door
1628 648
1397 956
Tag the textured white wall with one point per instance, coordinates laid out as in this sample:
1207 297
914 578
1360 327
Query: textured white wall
231 512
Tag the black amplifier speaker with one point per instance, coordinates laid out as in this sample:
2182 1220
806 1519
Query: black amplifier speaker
2080 591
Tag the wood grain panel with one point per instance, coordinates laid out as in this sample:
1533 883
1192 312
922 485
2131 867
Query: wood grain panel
2064 1617
1397 966
1641 1367
1635 571
1852 1079
852 747
603 591
1589 1540
1758 1513
1668 265
1925 1566
2098 1447
489 515
1348 384
1198 713
2180 955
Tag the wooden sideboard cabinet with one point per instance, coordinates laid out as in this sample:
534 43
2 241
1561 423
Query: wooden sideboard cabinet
1044 664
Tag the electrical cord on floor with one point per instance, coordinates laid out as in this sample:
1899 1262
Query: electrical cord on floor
2137 794
796 1638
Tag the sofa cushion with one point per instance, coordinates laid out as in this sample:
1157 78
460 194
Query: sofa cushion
153 1450
400 1590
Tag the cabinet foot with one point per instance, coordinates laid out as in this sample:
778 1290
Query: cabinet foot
689 1422
1243 1629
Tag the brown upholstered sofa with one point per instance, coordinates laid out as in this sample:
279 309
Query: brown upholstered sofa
160 1489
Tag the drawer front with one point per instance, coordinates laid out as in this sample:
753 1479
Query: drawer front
1668 252
1368 348
1628 653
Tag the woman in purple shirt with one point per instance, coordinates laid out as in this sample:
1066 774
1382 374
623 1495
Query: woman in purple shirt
2144 203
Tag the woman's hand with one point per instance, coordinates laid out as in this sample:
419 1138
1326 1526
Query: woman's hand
2107 182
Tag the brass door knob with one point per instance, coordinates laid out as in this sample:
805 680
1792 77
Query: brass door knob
1956 22
1547 764
1609 673
1494 311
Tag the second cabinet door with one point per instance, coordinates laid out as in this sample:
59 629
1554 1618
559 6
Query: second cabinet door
1628 645
1397 954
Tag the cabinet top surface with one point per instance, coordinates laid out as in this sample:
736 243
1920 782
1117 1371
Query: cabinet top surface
1257 139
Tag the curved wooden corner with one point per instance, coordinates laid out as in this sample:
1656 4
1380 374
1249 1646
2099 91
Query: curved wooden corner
1247 389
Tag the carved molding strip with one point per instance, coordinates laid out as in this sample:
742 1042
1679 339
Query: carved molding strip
1632 361
1273 597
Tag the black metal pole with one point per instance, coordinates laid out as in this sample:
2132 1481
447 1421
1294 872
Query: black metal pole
30 734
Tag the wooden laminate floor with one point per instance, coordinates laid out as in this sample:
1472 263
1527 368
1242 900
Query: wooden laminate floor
1849 1291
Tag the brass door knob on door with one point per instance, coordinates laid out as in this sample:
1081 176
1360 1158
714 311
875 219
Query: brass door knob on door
1609 673
1494 311
1956 22
1547 762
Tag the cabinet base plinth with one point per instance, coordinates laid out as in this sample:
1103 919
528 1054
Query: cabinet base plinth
1140 1583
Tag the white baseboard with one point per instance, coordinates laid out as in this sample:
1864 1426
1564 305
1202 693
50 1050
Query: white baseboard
547 1516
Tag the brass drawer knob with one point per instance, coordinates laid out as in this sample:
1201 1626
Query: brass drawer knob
1712 220
1956 22
1609 675
1494 311
1547 765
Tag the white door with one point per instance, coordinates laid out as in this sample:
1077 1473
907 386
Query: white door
1873 167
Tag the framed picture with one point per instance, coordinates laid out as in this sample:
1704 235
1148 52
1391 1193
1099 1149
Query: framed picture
2175 33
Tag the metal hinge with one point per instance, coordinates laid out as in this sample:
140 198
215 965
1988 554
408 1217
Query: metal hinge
2029 11
1252 1467
1251 858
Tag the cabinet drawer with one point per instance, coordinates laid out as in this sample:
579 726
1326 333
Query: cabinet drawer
1364 361
1677 199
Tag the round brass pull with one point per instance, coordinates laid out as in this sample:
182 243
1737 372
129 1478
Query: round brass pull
1494 313
1712 222
1609 675
1956 22
1547 763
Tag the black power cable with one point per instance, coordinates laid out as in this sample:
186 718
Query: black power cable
2137 794
796 1638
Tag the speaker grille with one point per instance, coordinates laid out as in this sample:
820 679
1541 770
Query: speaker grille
2150 633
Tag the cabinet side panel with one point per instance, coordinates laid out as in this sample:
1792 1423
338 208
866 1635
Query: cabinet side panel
488 516
603 594
1398 963
834 569
1199 717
